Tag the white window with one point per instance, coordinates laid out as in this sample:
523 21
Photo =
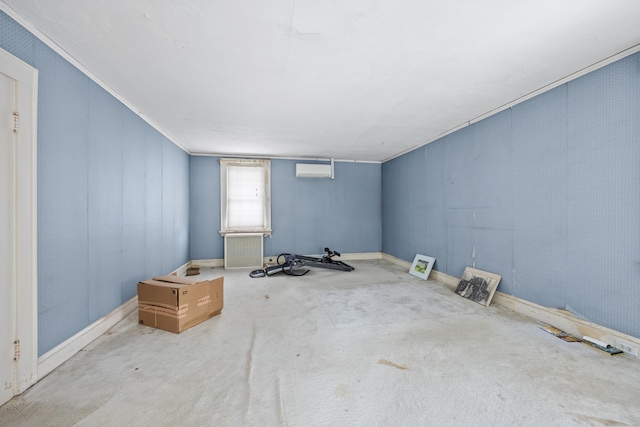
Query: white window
245 196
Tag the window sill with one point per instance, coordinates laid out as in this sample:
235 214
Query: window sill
263 232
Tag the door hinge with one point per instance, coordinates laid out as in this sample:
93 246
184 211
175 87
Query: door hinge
16 350
16 122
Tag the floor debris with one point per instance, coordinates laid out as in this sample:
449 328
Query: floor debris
388 363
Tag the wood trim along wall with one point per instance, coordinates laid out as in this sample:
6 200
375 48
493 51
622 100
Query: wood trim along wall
358 256
64 351
271 260
210 263
561 319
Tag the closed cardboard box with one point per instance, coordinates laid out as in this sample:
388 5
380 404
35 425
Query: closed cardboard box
174 303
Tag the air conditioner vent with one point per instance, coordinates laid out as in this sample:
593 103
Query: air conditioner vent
312 170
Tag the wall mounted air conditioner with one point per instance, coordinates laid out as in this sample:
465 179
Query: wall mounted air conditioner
313 170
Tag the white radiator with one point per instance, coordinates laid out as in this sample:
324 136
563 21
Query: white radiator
243 250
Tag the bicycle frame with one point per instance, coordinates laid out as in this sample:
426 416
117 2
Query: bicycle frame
295 262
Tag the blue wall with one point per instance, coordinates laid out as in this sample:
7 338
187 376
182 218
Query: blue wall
546 194
307 214
113 201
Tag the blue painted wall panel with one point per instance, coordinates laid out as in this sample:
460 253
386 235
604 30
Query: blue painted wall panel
168 211
603 156
63 98
204 229
356 200
492 170
321 211
133 204
153 200
181 207
460 183
493 212
540 198
435 218
460 240
548 194
416 224
20 43
104 194
460 199
393 182
284 201
100 218
405 200
314 216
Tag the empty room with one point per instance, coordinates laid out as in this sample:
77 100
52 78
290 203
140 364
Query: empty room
305 213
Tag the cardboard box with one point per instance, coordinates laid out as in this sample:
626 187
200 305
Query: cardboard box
175 303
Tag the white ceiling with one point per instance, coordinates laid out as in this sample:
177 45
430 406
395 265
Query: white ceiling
349 79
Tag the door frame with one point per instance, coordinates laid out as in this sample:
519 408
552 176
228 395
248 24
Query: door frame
26 219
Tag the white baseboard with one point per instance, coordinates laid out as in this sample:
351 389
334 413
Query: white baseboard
181 271
271 260
211 263
398 261
64 351
360 256
564 320
353 256
561 319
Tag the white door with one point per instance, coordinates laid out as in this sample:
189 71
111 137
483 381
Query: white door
8 386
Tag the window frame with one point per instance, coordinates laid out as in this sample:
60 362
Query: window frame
265 164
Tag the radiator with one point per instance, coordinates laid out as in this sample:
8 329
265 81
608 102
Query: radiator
243 250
